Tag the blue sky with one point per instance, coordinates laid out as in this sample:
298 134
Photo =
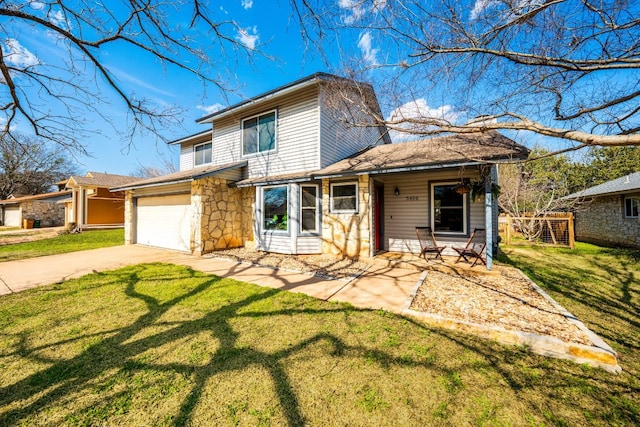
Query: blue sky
277 36
266 26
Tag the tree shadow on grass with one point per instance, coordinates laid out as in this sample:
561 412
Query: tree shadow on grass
123 350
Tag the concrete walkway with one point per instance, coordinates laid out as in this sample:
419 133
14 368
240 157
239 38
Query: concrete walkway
379 287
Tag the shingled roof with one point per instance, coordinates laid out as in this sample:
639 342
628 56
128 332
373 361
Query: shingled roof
625 184
181 176
43 197
106 180
444 151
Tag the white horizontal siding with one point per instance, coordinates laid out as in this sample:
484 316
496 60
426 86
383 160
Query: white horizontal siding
411 209
230 175
297 137
308 245
339 139
272 242
186 157
183 187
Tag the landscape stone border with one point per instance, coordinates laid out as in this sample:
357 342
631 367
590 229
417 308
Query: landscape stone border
599 355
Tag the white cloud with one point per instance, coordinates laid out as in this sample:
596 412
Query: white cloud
248 37
209 109
36 5
355 9
247 4
419 110
57 18
368 53
480 6
378 5
19 55
140 83
514 10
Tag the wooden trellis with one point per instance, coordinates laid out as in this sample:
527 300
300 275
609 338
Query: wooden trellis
556 229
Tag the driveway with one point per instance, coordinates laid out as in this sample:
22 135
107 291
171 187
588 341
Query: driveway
379 287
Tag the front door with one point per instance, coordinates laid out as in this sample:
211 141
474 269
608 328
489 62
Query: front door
378 208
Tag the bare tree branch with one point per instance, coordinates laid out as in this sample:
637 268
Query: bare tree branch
51 96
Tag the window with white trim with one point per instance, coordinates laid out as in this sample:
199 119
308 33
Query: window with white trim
631 205
448 209
275 208
259 134
309 208
344 197
202 154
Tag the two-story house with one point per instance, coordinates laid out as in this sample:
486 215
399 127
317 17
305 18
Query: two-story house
298 170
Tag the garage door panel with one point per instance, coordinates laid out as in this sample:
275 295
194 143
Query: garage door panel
164 221
12 216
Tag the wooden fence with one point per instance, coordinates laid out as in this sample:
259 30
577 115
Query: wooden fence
556 229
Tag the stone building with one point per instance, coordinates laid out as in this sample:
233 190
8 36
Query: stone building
41 210
609 212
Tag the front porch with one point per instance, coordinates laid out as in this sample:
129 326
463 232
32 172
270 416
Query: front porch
446 265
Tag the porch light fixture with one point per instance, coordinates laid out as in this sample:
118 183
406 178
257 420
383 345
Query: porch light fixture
396 191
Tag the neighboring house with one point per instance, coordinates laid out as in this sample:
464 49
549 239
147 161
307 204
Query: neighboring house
285 172
44 208
610 212
91 204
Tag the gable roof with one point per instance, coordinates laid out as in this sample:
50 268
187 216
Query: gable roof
625 184
98 179
426 154
55 196
204 136
181 176
433 153
282 90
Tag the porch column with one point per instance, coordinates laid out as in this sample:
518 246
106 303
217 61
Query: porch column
489 217
80 210
74 207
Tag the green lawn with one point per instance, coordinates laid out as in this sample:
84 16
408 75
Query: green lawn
62 244
163 345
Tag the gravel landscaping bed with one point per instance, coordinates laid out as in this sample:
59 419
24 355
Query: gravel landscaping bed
508 301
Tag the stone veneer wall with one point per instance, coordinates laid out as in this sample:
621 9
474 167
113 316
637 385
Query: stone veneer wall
344 234
50 214
219 215
128 217
248 206
603 221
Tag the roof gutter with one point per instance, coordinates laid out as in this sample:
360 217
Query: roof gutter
153 184
395 170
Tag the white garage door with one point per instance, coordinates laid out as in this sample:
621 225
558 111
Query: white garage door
164 221
12 216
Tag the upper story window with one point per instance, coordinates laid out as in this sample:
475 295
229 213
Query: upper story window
448 209
259 133
631 205
344 198
202 154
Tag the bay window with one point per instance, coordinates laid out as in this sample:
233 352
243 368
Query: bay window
275 208
309 208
